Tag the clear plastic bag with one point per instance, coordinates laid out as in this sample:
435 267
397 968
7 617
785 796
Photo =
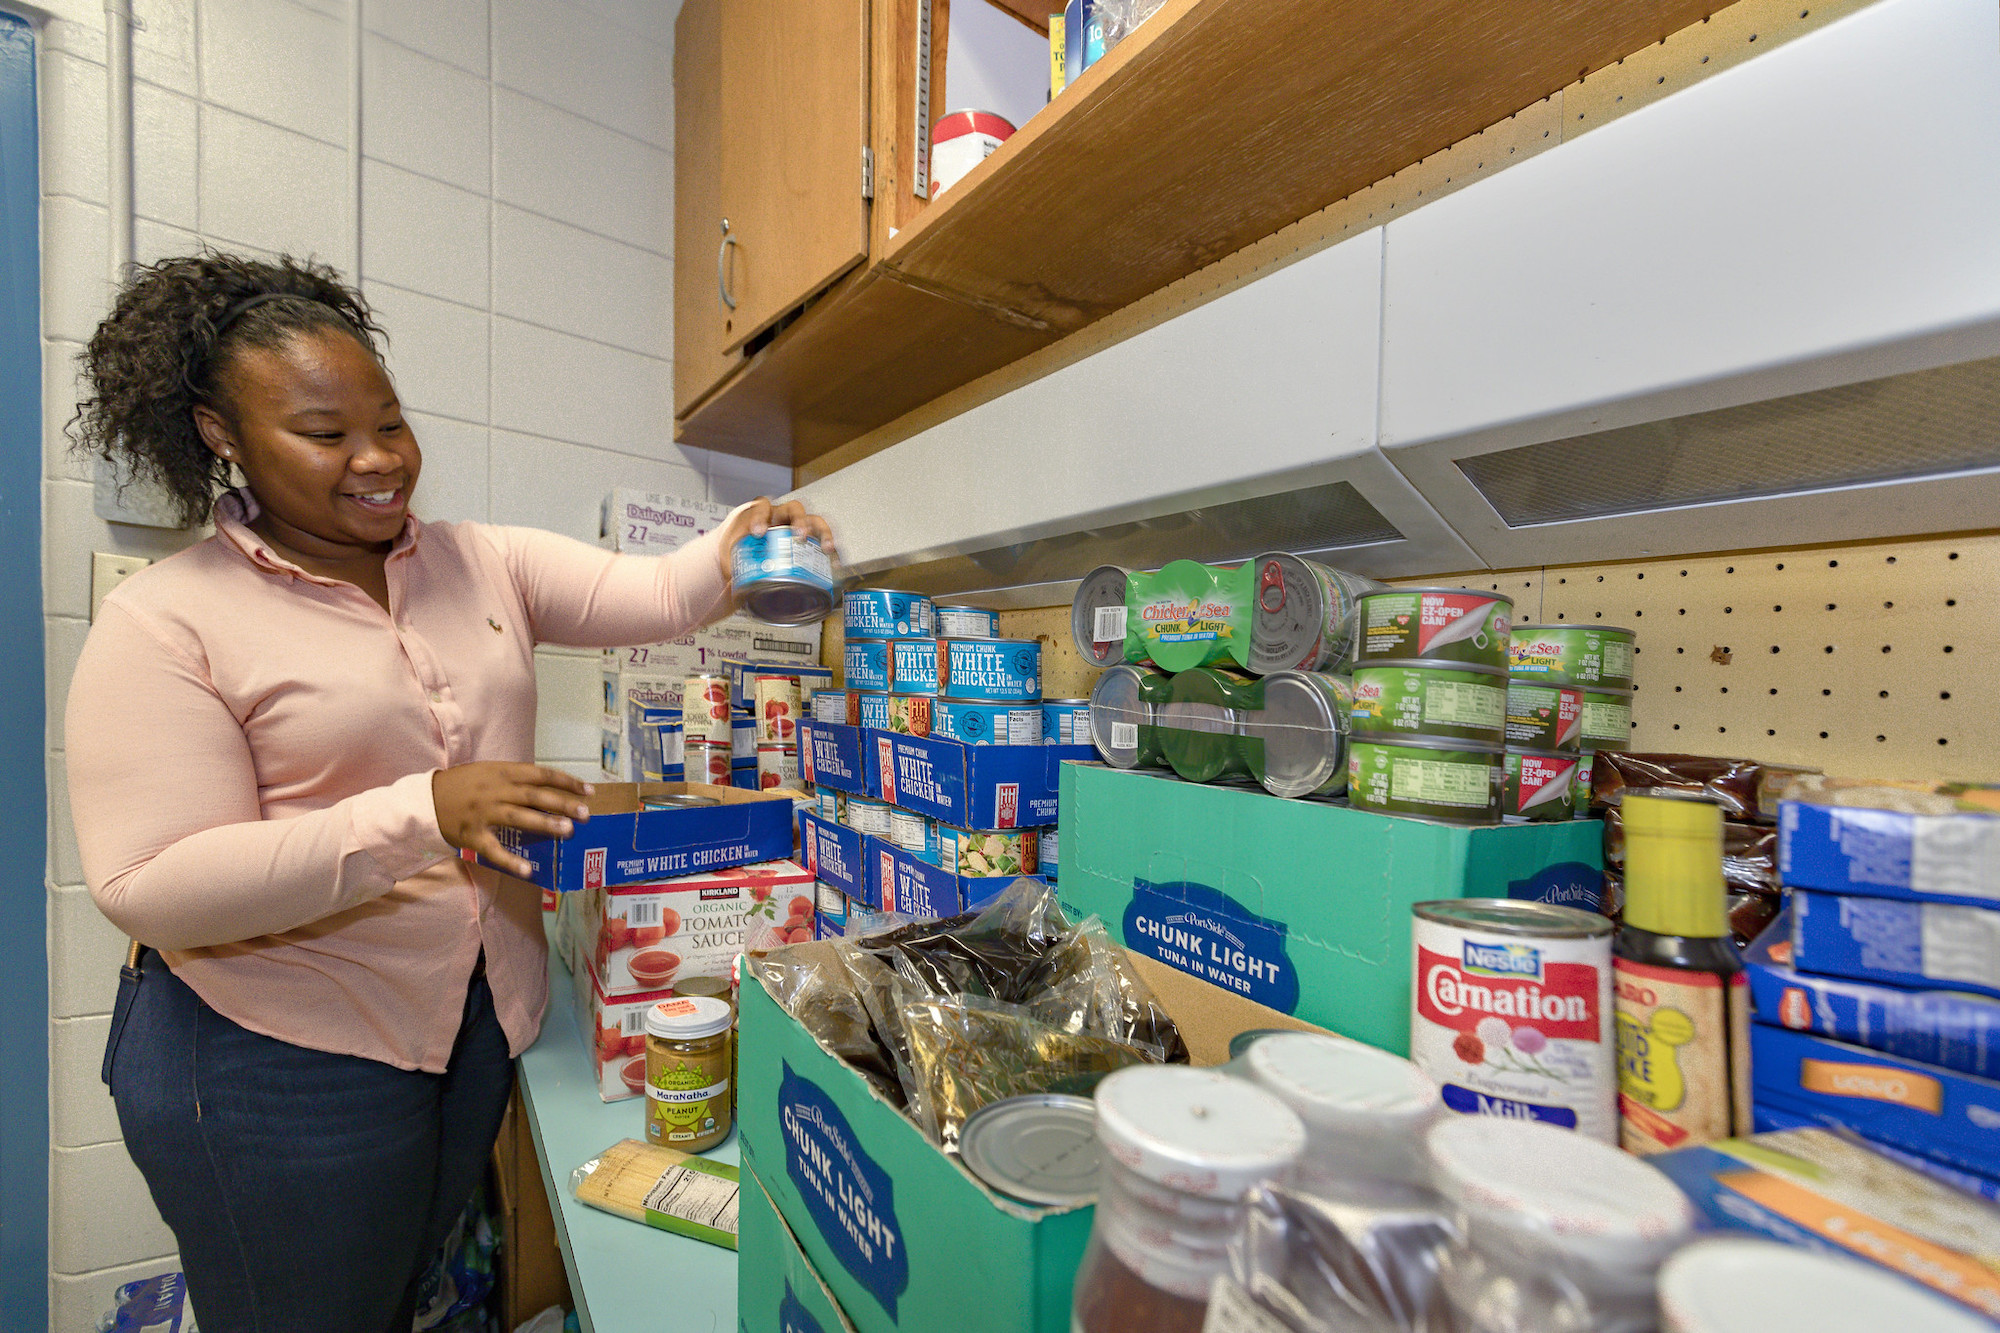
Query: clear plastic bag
1314 1264
664 1188
816 984
1101 992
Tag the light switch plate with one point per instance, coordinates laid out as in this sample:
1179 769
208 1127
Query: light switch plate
107 571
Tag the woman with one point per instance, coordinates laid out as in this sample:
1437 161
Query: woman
279 741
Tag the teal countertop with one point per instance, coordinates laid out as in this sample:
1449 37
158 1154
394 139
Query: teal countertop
626 1277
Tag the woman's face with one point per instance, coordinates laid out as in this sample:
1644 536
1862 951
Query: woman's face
318 433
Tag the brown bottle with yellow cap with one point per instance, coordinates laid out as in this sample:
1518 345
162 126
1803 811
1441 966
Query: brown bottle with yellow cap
1682 1000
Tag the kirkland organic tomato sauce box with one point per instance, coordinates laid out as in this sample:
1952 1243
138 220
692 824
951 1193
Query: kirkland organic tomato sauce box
638 938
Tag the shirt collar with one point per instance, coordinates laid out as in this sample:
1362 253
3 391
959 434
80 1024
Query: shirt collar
236 509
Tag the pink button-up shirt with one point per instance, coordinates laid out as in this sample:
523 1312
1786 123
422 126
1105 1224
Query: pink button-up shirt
250 756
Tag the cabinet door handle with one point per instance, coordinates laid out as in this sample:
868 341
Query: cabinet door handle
722 266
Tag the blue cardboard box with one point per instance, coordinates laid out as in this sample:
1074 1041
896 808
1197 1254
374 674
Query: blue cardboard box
837 756
1887 854
1933 1027
1924 1109
1768 1119
903 882
972 786
1901 943
622 843
836 855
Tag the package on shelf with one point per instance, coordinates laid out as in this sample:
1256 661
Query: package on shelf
1934 1027
1925 1109
833 755
1300 905
622 843
644 937
1818 1188
902 882
613 1029
973 786
635 522
1936 842
723 648
1900 943
837 855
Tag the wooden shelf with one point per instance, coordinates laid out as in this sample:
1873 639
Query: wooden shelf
1216 124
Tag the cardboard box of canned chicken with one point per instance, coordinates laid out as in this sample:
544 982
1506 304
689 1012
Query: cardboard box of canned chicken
903 1236
1303 906
972 786
900 881
625 843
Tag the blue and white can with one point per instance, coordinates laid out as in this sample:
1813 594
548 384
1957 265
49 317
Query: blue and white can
829 911
830 706
1048 851
967 622
866 815
782 577
998 670
913 666
827 804
742 740
914 833
881 613
971 723
866 662
871 709
1066 722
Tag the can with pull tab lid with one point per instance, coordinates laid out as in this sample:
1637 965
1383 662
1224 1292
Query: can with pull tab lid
1097 615
1303 617
782 577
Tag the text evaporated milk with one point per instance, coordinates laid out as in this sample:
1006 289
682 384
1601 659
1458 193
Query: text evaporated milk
1512 1013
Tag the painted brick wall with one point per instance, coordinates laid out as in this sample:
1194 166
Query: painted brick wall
517 241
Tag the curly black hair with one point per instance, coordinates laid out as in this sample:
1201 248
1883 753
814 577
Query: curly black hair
165 348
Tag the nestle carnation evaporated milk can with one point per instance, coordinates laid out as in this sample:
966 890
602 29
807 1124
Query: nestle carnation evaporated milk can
1513 1011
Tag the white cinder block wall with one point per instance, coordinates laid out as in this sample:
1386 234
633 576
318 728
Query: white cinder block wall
517 241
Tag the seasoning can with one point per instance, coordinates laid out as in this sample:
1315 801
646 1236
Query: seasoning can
865 664
960 141
1451 782
995 670
913 666
775 709
1513 1011
967 622
864 814
1201 724
782 577
743 738
1047 848
778 766
705 710
690 1077
830 706
1066 721
1594 656
910 714
1124 715
1297 742
972 723
1541 786
1544 717
1303 616
1439 700
1607 720
1097 615
883 613
869 708
1433 624
987 853
709 762
914 833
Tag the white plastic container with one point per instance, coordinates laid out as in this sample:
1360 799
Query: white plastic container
1365 1110
1737 1284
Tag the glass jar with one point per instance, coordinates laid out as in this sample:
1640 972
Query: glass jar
1365 1111
1181 1146
690 1072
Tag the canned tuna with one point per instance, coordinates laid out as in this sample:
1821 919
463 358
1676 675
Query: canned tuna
996 670
1046 849
1297 742
1512 1012
910 714
1066 721
1433 624
1593 656
1097 615
866 816
1303 617
1607 719
658 749
882 613
830 706
986 724
987 853
829 804
967 622
1584 763
1124 716
914 833
776 709
1201 723
1541 785
865 663
870 709
1452 782
778 766
1436 699
782 577
705 710
1544 717
913 666
708 762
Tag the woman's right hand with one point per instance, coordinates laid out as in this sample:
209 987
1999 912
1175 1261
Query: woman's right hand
473 800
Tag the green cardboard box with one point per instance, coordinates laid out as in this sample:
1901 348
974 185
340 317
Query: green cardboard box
1302 906
777 1288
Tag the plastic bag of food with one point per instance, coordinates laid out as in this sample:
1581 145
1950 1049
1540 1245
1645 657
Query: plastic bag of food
1099 991
662 1187
1311 1264
1745 789
816 985
1010 950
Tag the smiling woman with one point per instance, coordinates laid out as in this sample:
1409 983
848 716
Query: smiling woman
279 742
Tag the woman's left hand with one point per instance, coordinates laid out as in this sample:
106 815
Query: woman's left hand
763 513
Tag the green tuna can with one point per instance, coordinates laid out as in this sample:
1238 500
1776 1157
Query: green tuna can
1452 782
1541 786
1461 703
1461 625
1201 724
1607 720
1544 717
1124 716
1593 656
1584 763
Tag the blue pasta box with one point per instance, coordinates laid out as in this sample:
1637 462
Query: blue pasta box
834 755
1931 1111
623 843
903 882
1935 1027
1951 857
836 855
1895 942
972 786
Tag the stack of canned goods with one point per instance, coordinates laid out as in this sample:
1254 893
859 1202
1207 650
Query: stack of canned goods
755 747
1286 732
1569 695
890 659
961 683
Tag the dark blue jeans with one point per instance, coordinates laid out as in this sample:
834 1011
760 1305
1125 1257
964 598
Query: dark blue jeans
307 1190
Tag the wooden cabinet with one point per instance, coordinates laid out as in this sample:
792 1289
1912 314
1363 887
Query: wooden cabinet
771 124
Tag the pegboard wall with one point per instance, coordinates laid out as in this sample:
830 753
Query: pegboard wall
1871 660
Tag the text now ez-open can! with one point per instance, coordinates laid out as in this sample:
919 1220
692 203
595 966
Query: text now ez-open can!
624 843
